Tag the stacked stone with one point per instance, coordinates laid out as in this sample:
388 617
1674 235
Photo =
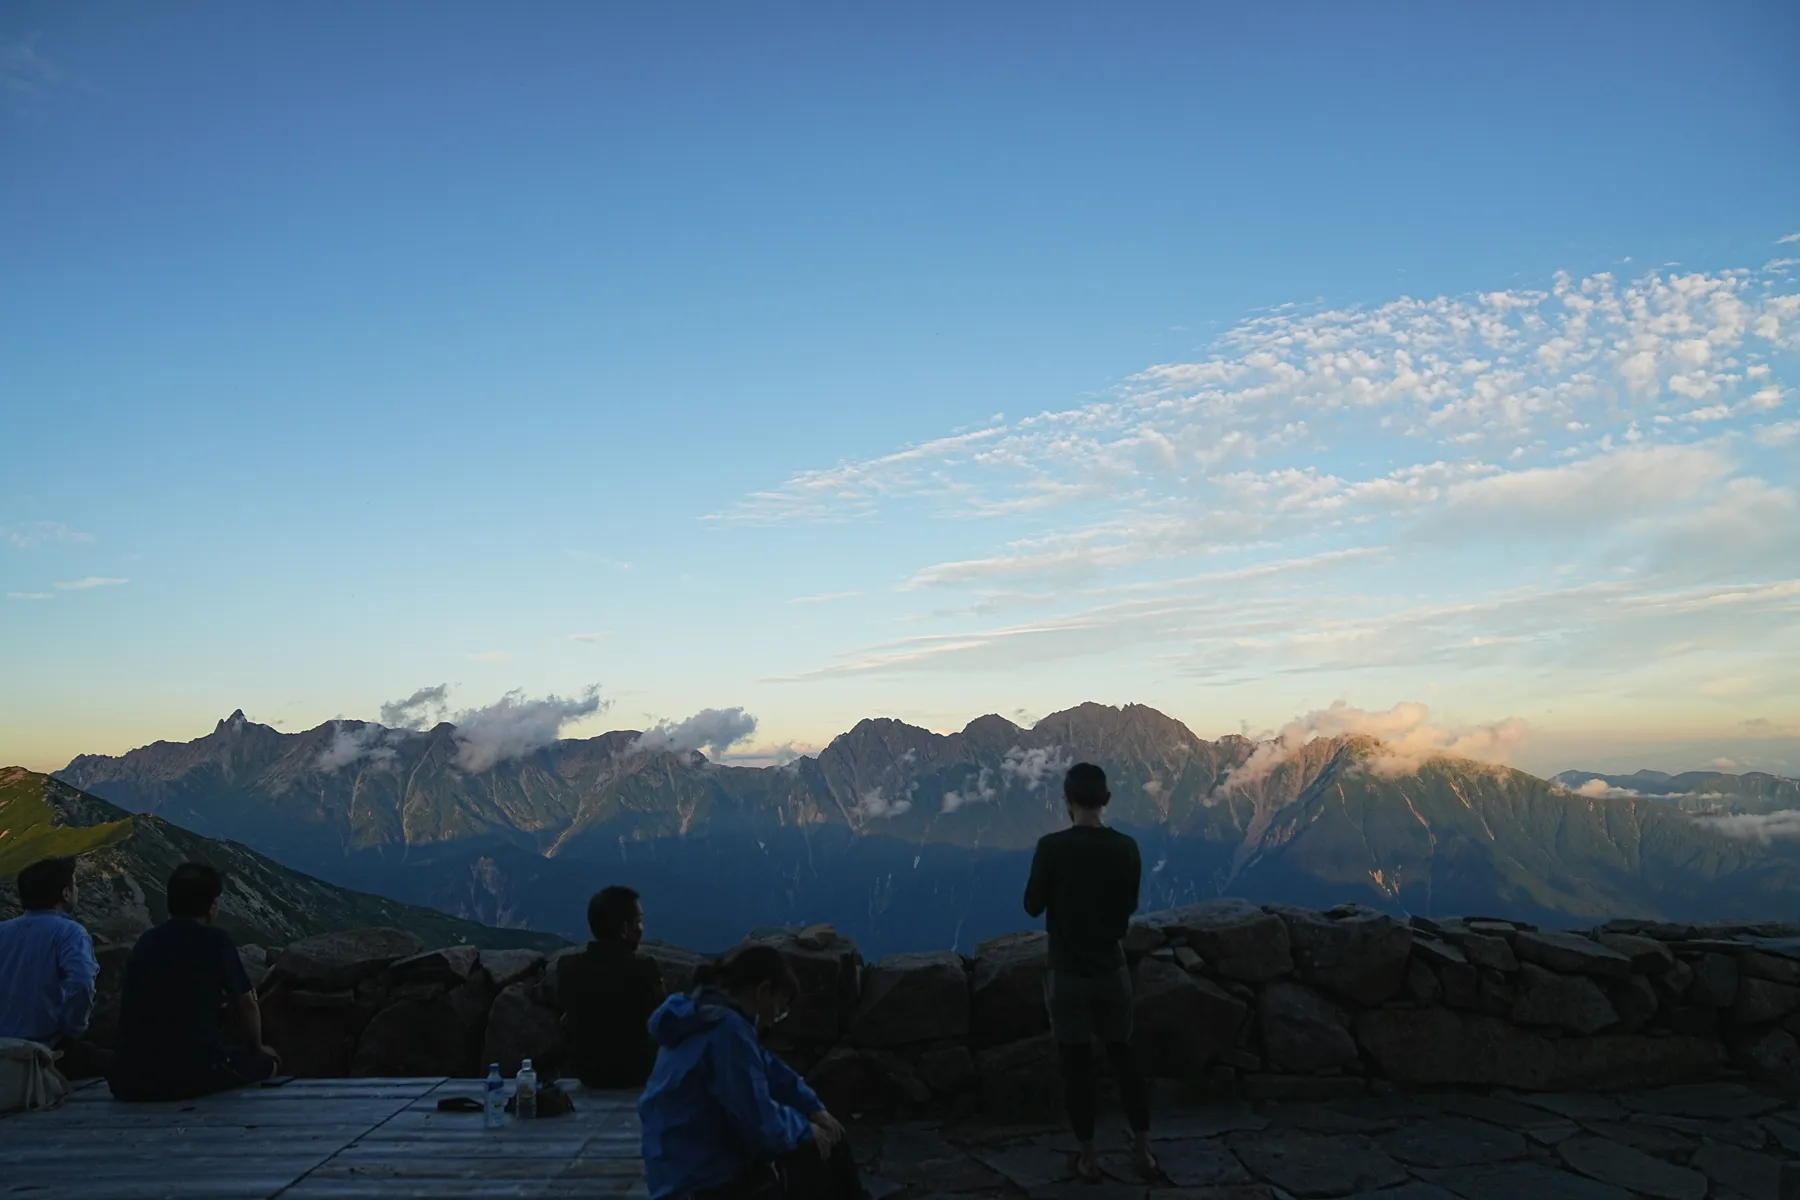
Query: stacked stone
1269 1002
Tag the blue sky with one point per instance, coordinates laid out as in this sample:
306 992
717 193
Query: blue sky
926 363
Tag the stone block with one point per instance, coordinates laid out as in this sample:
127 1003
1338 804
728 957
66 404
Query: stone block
1007 1003
1238 940
1571 1002
1572 954
1359 956
1301 1030
910 998
1182 1021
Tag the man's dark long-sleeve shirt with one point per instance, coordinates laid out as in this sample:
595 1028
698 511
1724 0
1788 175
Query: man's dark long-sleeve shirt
1086 878
607 994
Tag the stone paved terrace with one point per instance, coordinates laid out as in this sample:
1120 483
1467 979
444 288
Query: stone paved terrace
381 1138
346 1139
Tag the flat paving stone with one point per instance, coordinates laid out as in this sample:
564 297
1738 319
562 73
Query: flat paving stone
1205 1123
1707 1101
1498 1110
1658 1140
1747 1135
1452 1142
1195 1164
1550 1135
1415 1190
1076 1190
1028 1167
1785 1133
1317 1164
1577 1106
1610 1162
1521 1181
1757 1176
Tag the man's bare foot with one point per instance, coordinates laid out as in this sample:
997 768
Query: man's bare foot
1086 1168
1141 1157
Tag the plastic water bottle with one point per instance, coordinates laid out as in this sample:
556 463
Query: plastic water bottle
493 1100
525 1091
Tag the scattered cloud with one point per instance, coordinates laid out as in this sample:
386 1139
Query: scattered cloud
421 710
354 743
1407 740
31 595
91 581
823 598
515 726
24 71
31 534
1599 789
1032 768
1758 827
978 790
590 637
876 805
1788 239
715 730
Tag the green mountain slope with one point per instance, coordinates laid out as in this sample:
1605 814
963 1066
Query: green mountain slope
125 859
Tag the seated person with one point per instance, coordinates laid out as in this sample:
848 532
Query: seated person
607 994
181 978
47 969
724 1118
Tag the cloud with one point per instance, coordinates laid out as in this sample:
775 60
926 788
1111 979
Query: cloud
1599 789
1779 434
823 598
1407 740
514 726
23 71
978 790
876 805
32 534
712 729
356 744
1561 501
31 595
491 656
1758 827
590 637
1032 768
91 581
421 710
1787 239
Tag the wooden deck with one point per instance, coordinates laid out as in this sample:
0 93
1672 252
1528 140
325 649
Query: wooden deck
343 1139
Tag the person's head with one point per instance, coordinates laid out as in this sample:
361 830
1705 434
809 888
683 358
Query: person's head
757 979
49 883
616 913
194 892
1084 791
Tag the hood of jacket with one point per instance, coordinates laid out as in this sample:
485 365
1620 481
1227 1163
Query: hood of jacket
682 1016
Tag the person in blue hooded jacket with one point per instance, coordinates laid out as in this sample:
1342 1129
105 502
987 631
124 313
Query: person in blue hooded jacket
723 1118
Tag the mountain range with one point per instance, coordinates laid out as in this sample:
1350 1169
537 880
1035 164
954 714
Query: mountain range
909 839
124 860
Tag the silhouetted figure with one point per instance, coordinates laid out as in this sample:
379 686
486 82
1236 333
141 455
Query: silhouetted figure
1086 879
722 1117
47 969
182 979
607 993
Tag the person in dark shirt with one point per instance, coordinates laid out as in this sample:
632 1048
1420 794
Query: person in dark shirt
181 980
607 993
1085 878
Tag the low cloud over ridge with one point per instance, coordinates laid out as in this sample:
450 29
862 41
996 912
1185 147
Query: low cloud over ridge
714 730
1408 740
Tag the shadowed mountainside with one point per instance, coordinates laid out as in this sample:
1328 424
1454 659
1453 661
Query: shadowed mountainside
909 839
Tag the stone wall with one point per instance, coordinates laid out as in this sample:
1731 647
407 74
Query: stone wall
1271 1002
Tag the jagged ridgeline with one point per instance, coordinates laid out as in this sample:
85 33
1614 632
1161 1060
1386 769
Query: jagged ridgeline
125 860
908 839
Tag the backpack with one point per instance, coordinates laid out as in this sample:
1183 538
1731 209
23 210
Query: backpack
28 1076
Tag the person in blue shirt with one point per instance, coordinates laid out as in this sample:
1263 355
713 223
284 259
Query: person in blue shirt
47 969
722 1117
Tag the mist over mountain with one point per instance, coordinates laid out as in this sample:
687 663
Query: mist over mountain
908 839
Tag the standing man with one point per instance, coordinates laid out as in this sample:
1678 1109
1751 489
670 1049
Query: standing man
607 993
1086 878
47 969
181 978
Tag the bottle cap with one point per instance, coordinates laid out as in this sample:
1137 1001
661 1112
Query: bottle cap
524 1064
493 1066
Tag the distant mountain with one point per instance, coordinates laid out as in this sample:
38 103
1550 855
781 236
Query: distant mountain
1696 791
908 839
126 859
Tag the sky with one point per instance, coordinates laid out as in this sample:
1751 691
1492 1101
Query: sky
1416 367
